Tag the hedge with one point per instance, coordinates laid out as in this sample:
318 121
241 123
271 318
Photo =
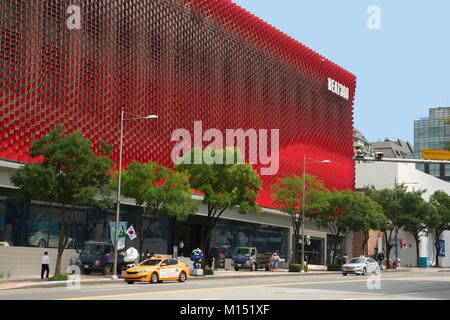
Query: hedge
208 272
334 267
296 267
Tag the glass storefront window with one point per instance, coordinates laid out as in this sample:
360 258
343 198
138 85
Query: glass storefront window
13 221
37 224
2 219
313 251
228 235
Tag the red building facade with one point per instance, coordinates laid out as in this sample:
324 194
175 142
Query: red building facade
184 60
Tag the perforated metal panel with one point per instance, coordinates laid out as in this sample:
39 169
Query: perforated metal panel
183 60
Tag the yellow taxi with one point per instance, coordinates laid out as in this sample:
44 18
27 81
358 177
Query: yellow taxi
156 270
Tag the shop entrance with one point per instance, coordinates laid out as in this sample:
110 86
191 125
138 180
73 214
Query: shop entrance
313 251
190 235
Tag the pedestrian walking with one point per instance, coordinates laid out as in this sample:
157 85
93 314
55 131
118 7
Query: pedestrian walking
180 247
274 261
345 258
45 266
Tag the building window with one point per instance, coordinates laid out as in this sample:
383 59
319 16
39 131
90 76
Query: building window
227 235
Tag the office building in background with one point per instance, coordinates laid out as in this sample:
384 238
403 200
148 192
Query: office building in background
433 132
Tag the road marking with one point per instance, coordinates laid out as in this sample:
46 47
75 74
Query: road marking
123 295
109 289
297 291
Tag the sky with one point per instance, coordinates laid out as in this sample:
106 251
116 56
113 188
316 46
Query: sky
402 69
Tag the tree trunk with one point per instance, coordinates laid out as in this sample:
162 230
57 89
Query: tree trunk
388 255
296 228
213 215
49 226
296 241
61 243
141 236
437 246
437 254
338 247
417 239
141 243
205 245
366 240
388 249
335 249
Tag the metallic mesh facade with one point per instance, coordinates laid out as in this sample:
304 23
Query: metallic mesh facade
184 60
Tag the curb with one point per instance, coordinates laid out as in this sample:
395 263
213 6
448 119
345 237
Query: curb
55 284
194 278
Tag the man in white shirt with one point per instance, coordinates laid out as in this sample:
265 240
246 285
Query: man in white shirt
45 267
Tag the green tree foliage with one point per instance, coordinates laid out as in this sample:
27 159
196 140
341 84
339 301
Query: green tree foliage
414 222
365 215
403 209
287 194
438 220
391 201
347 211
223 183
333 217
71 174
157 190
447 146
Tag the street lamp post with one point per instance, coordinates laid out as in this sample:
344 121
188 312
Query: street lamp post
303 206
122 119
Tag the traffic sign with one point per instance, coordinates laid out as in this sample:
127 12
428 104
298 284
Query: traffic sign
436 154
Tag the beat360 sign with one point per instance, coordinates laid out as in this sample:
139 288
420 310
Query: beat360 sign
338 88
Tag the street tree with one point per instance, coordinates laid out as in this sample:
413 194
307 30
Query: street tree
415 221
332 217
224 183
287 194
70 174
390 201
438 220
345 211
366 215
157 190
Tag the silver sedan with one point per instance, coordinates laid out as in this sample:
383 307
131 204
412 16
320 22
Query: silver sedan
361 266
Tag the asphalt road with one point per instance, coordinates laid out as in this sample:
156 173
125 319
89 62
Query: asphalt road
389 286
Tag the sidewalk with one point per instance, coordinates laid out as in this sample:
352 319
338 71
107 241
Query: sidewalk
10 284
36 282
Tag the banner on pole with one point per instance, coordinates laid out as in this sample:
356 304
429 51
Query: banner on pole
122 233
131 233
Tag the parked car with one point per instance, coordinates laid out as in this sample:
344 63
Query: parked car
361 266
44 240
250 258
156 270
99 257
